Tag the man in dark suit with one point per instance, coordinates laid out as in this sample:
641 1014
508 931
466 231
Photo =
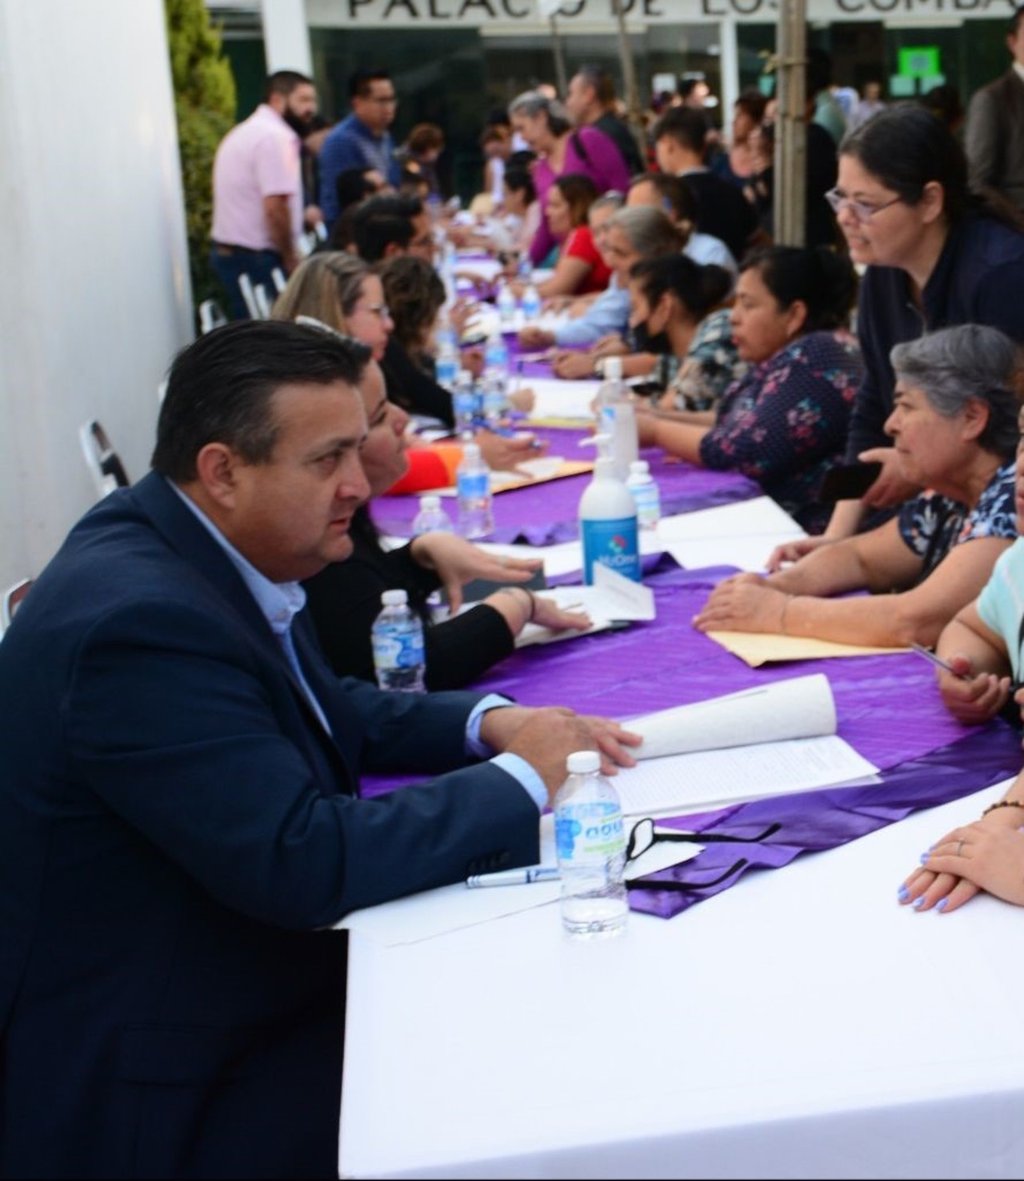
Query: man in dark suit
994 138
180 825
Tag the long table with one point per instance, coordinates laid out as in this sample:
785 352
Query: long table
800 1024
545 513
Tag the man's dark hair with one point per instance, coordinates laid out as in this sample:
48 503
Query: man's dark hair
677 197
1014 25
220 388
519 179
686 125
602 82
384 219
352 186
686 83
361 81
284 82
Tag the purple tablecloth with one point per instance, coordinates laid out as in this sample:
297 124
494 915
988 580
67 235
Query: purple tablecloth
545 514
888 706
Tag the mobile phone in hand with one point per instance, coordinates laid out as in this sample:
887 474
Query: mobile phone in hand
848 482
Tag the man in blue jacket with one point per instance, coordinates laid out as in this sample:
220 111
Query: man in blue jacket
180 827
362 140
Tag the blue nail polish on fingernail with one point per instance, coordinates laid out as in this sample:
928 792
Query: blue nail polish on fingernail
924 858
919 902
941 904
902 893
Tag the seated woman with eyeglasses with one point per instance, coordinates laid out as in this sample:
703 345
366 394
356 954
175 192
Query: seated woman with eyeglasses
954 427
340 290
345 597
784 422
935 255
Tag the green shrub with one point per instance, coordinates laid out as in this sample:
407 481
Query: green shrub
204 99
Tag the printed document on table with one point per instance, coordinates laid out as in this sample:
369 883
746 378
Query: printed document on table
756 648
610 601
746 518
450 908
554 398
800 707
677 784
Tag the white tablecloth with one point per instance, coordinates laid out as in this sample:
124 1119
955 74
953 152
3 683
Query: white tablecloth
801 1024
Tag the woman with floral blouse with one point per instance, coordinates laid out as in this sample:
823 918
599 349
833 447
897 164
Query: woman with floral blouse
784 422
955 429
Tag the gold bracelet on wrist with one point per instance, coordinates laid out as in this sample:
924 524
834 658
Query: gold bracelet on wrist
1003 804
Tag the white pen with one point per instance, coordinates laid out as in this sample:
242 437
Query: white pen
938 661
515 877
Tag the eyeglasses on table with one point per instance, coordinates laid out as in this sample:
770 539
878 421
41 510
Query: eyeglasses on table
643 836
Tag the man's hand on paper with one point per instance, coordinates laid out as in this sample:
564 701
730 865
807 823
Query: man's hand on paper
546 737
744 604
975 700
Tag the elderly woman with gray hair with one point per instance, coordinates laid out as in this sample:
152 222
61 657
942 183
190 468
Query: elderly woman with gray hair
547 130
955 429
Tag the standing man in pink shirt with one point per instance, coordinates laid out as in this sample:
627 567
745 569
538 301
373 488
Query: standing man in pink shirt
257 188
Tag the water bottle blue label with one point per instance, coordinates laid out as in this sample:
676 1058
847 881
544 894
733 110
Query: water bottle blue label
587 831
613 543
398 648
473 485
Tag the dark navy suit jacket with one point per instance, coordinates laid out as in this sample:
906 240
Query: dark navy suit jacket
177 835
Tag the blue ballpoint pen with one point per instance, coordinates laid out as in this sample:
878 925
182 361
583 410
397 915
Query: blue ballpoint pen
515 877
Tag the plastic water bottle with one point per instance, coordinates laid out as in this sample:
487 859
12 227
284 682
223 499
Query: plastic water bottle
591 843
496 356
473 484
465 402
431 518
507 307
530 304
645 493
608 523
494 401
447 270
447 352
617 416
398 653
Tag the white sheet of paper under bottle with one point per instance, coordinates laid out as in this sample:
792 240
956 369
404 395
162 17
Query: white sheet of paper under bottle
769 740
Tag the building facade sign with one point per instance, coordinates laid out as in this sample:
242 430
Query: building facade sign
523 14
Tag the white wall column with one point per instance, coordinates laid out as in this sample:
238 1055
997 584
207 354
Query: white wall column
286 36
729 63
95 297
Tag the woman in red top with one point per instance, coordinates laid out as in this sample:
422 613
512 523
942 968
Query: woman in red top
580 269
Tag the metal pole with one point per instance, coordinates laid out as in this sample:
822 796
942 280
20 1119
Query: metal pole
634 111
561 78
729 65
789 199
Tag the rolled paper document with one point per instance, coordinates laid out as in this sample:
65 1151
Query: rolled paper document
802 707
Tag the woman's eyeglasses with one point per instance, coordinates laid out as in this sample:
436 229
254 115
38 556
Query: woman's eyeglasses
644 836
861 210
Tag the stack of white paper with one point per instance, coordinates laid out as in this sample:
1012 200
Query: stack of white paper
801 707
772 740
741 535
